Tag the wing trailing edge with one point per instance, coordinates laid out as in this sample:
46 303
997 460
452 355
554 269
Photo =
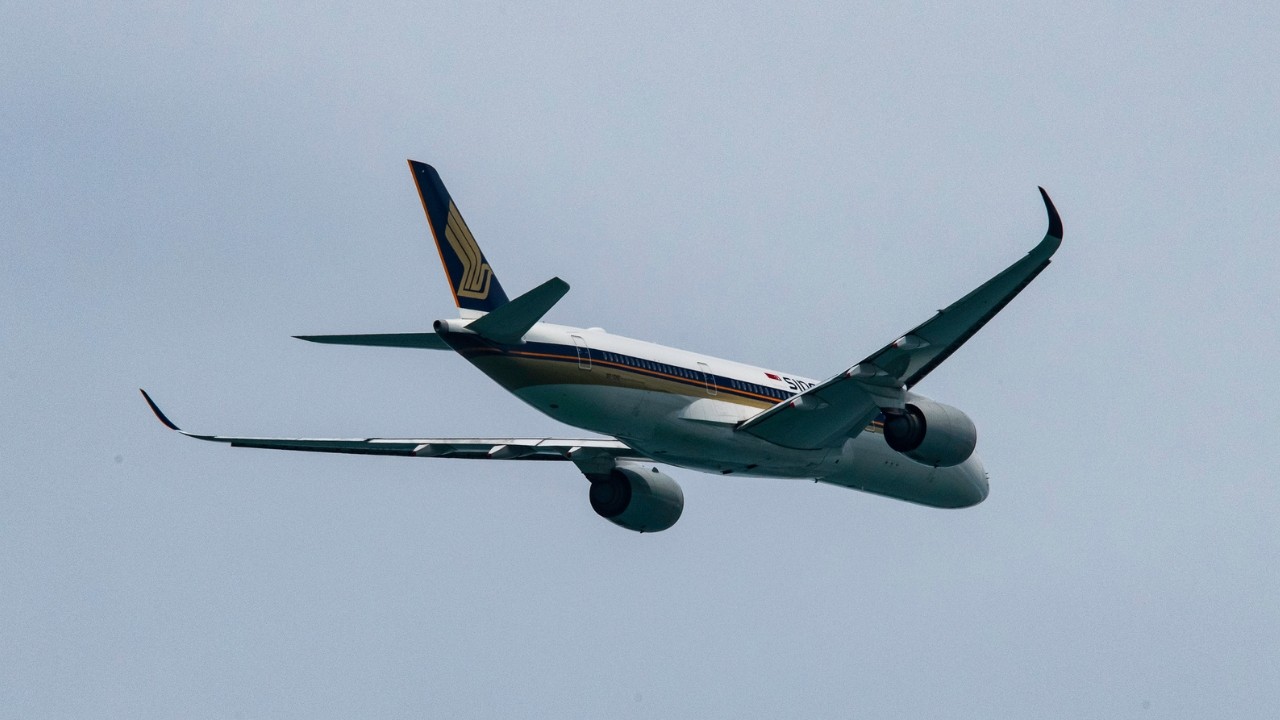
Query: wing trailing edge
580 451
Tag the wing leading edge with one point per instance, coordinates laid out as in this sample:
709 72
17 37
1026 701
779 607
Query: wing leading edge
578 450
826 414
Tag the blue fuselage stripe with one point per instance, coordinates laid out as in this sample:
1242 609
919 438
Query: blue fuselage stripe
470 346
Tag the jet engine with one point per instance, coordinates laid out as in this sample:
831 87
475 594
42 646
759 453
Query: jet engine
636 497
931 433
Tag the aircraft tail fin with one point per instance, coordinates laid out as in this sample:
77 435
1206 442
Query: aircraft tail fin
471 279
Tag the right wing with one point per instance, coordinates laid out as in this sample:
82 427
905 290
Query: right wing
826 414
581 451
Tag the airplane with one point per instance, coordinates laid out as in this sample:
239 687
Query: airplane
862 428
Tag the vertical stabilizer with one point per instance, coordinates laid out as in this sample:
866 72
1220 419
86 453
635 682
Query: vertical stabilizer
471 279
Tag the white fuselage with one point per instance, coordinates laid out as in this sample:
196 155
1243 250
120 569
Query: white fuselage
682 408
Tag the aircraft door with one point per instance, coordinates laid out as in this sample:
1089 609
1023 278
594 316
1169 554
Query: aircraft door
708 379
584 352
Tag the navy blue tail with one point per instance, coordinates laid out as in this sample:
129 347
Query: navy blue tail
471 279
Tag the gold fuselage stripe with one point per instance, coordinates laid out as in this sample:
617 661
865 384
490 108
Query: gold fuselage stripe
530 364
688 386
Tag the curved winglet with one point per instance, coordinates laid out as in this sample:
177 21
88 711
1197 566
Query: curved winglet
156 409
1055 222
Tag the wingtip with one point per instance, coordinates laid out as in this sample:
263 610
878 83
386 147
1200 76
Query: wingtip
159 414
1055 221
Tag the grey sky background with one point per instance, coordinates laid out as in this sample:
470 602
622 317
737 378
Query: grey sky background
785 184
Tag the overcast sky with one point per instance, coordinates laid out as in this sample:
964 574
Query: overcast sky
790 185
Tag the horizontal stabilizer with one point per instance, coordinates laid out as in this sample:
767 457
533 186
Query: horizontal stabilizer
509 323
423 341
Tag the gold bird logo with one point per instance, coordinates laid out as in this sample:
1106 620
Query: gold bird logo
476 273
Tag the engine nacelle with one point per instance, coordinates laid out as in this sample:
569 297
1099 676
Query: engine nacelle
636 497
931 433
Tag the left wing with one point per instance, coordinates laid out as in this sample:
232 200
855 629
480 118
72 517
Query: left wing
579 450
826 414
